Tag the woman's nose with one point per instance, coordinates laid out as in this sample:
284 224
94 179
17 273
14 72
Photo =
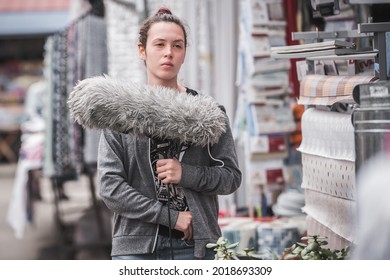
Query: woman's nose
168 51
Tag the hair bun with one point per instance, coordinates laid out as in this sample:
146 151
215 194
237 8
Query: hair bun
163 11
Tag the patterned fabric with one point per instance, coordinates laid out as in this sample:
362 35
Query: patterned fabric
335 213
165 193
62 152
327 90
72 55
74 51
329 176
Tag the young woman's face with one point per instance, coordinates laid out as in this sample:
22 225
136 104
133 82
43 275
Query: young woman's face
164 53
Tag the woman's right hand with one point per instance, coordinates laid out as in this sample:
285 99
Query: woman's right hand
184 224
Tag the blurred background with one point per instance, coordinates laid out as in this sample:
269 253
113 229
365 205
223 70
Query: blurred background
49 204
38 219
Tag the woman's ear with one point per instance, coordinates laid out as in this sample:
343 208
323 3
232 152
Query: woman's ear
141 52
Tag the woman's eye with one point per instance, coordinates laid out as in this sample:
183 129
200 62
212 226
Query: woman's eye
178 46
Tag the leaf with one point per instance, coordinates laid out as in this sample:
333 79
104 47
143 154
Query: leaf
297 250
313 246
220 240
211 245
306 237
249 250
304 252
234 245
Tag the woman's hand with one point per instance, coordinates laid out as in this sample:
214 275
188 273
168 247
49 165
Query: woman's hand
184 224
169 171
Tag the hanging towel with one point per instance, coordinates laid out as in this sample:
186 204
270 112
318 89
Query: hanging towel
328 134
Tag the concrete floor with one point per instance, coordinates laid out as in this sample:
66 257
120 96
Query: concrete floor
75 236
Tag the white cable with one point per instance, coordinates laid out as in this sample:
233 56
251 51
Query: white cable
215 159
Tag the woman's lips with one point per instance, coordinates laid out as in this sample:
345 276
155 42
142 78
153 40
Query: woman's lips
167 64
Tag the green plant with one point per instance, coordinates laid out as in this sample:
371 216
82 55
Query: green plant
224 251
312 249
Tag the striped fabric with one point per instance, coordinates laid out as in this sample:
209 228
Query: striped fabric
327 90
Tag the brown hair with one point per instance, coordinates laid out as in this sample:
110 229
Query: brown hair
162 15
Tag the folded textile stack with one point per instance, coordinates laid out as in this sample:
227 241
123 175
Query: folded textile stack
328 174
279 234
242 231
271 236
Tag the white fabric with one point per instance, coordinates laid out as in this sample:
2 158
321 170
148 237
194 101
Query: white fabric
335 213
17 211
334 241
327 134
329 176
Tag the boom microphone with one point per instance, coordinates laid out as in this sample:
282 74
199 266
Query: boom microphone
153 111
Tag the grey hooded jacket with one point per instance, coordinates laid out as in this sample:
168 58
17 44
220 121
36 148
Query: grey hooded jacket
127 188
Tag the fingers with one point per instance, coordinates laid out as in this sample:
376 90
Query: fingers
167 177
164 162
164 165
169 171
184 224
188 233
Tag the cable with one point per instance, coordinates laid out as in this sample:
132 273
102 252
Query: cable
172 152
166 153
169 222
215 159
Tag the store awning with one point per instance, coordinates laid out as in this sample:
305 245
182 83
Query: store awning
33 23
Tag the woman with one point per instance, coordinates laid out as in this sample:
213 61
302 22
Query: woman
164 207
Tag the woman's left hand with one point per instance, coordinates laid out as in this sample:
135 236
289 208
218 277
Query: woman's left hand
169 170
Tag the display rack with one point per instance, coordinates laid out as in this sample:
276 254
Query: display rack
329 177
379 31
